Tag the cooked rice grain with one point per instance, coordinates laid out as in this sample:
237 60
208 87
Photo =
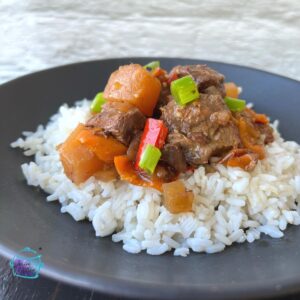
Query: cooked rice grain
230 205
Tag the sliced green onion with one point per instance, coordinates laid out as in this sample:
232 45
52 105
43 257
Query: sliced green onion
235 104
150 158
152 65
184 90
97 103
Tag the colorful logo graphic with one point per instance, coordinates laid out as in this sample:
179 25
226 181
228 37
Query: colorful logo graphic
26 264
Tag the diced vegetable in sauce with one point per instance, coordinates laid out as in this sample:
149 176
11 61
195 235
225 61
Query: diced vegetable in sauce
152 65
231 89
258 118
184 90
261 118
107 174
128 173
161 74
248 136
97 103
235 104
134 84
105 148
155 134
245 162
175 197
149 158
78 161
242 158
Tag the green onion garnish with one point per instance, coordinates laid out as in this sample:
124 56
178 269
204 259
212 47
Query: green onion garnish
150 158
152 65
97 103
184 90
235 104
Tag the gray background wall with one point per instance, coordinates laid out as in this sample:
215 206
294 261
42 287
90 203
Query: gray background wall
36 34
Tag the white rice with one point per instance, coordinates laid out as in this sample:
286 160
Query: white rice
230 205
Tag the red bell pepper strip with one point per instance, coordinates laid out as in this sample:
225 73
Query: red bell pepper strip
155 134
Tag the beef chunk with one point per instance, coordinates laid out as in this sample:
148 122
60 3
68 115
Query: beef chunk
164 98
134 146
172 154
208 80
201 129
119 119
165 172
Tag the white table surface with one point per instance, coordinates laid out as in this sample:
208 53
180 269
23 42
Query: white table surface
37 34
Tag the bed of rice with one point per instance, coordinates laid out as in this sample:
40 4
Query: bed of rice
230 205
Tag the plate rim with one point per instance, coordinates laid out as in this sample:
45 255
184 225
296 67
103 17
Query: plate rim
54 68
137 290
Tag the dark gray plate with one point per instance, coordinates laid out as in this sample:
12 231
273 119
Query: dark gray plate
70 250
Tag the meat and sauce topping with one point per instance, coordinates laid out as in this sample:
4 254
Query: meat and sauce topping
148 126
